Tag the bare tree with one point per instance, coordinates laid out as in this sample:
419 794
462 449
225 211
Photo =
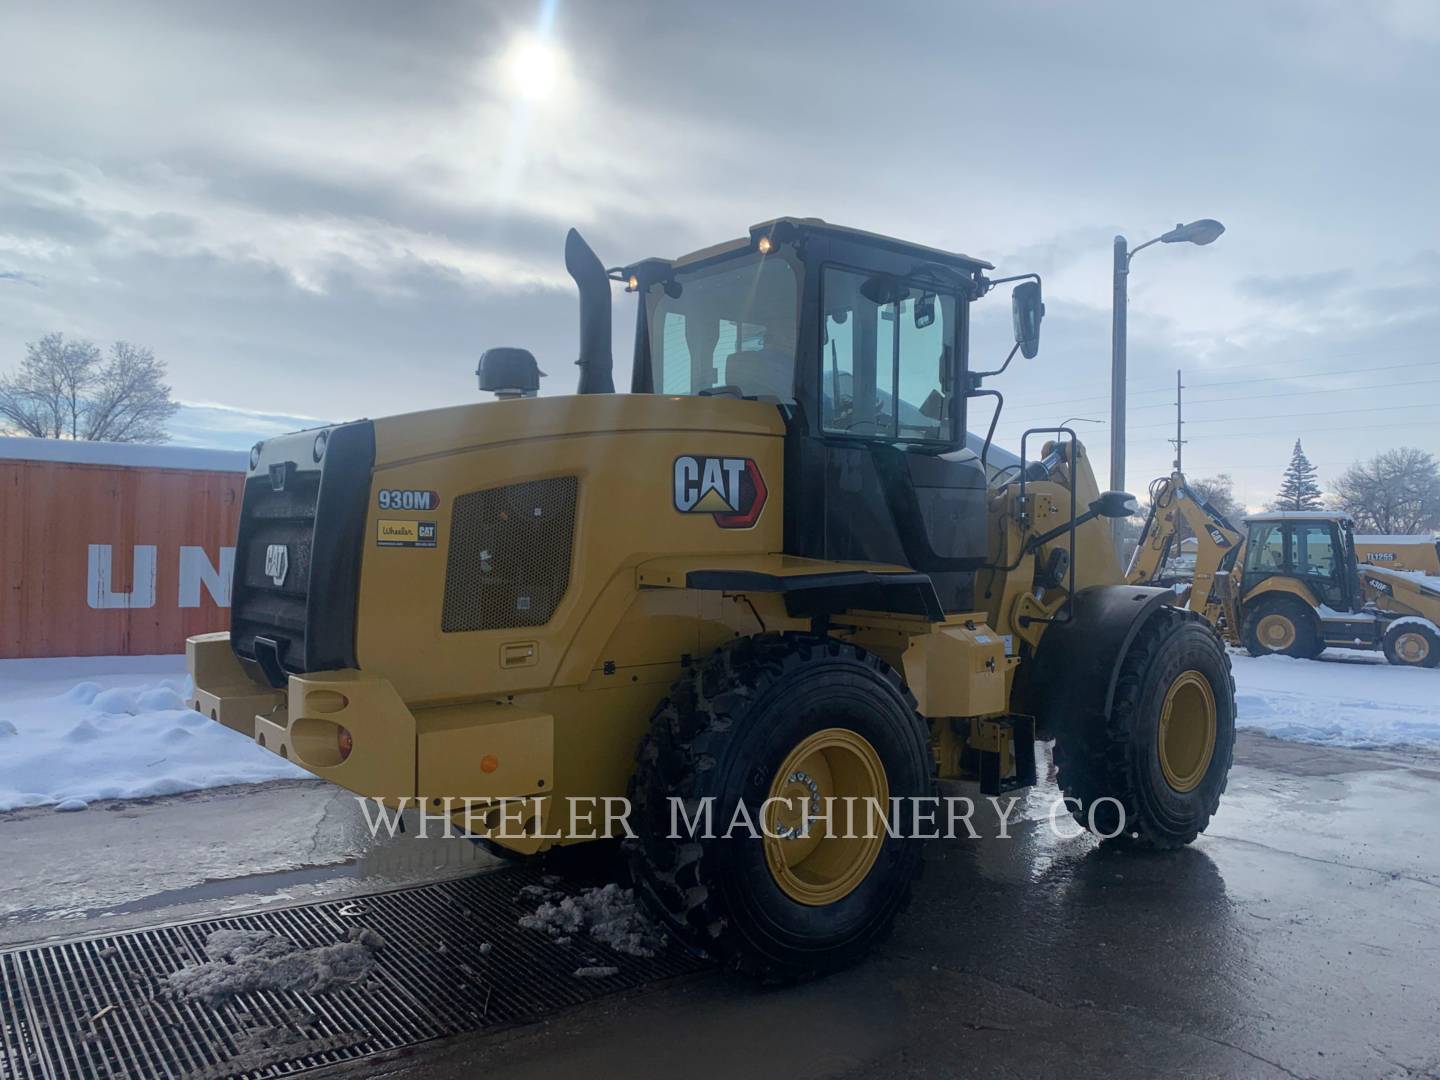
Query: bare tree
1396 492
66 389
1219 492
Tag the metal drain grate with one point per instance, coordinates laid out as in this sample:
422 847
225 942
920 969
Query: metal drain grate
97 1007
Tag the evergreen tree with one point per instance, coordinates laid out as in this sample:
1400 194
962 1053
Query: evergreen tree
1298 490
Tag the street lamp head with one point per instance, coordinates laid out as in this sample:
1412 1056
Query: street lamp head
1204 231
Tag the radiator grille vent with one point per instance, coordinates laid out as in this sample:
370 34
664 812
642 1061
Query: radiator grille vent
509 563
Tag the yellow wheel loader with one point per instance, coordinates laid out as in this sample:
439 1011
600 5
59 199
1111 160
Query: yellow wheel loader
769 582
1293 583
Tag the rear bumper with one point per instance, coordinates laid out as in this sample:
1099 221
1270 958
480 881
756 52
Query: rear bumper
481 751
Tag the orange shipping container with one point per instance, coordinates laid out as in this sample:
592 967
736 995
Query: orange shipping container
109 549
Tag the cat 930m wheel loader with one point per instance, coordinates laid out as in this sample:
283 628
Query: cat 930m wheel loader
773 578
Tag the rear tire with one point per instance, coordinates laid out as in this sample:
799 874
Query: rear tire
731 730
1152 772
1411 644
1282 625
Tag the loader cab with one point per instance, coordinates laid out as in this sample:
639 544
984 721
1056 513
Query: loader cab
862 342
1315 549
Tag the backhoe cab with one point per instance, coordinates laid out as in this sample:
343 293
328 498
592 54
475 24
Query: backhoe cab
776 577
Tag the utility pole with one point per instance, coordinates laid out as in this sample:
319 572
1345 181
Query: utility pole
1179 419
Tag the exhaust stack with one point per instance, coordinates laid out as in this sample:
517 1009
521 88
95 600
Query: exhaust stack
596 363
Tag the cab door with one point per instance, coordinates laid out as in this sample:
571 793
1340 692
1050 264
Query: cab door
1317 554
1266 554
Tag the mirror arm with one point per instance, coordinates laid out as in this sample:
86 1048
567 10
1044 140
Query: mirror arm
977 375
990 283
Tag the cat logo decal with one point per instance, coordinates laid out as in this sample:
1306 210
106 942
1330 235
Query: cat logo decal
730 489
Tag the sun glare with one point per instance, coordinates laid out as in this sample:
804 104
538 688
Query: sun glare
533 68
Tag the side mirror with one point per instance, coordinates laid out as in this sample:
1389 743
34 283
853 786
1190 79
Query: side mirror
1027 309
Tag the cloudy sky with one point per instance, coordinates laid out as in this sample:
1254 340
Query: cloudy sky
329 209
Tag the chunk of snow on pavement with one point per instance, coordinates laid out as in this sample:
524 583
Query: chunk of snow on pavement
77 730
245 960
1346 698
608 914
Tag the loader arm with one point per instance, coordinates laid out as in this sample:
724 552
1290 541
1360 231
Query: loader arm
1218 544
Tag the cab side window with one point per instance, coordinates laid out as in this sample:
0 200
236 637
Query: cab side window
1315 551
1265 552
886 358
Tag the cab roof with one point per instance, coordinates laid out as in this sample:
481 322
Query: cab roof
1299 515
953 258
965 263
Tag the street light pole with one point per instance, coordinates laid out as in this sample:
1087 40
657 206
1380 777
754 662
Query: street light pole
1203 231
1117 372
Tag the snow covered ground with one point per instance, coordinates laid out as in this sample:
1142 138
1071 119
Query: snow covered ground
72 731
75 730
1346 698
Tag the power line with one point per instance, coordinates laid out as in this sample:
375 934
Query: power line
1165 388
1318 374
1288 393
1011 424
1297 416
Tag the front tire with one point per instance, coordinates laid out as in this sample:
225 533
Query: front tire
792 717
1411 644
1151 773
1281 625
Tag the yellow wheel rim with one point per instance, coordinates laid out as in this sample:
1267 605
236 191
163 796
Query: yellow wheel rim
1412 648
826 862
1276 632
1187 731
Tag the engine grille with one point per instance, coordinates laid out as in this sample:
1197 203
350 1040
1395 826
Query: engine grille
286 518
315 515
510 549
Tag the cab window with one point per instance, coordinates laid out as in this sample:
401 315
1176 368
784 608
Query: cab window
1315 551
886 358
1265 552
732 324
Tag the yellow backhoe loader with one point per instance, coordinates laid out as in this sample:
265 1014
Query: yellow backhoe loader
771 578
1419 554
1293 583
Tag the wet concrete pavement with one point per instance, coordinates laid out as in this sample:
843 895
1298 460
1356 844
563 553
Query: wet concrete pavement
1298 938
125 863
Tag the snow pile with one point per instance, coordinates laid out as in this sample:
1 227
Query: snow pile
1348 698
72 731
245 960
608 914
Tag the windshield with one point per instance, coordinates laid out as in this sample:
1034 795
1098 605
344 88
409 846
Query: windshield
887 358
731 324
